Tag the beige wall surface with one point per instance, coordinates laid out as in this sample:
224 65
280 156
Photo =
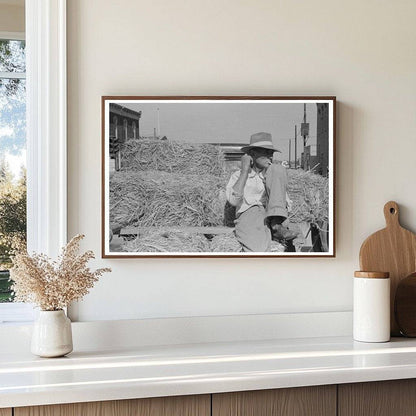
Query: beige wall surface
12 18
360 51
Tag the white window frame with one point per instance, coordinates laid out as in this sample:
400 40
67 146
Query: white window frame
46 127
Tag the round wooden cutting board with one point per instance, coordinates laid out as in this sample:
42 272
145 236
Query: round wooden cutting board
393 250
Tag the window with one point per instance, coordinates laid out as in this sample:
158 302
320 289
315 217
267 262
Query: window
12 154
45 27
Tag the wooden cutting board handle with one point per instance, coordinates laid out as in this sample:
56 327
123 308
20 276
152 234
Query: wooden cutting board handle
391 214
393 250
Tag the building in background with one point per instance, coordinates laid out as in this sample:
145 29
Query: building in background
322 139
232 151
124 125
317 155
310 158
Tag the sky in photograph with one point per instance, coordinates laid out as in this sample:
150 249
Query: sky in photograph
228 122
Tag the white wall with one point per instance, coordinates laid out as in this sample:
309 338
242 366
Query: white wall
12 18
361 51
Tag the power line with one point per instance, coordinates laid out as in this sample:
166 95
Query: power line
289 138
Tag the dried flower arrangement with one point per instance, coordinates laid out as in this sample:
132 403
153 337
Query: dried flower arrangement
53 285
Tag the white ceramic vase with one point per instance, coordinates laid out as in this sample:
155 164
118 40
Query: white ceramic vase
52 334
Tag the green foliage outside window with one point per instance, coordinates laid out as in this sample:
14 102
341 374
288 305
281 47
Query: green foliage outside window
12 223
12 145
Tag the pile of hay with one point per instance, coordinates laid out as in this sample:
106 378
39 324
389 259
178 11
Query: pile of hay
225 243
174 184
153 198
171 156
178 240
159 241
228 243
309 193
162 241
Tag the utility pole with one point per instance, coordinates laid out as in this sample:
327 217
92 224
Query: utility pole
305 127
117 157
138 125
290 149
296 147
158 123
304 131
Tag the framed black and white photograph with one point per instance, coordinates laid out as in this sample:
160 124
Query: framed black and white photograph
218 177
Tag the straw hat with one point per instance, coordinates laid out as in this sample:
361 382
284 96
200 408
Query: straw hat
262 139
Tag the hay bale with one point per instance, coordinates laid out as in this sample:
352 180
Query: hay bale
154 198
228 243
159 241
171 156
179 241
225 243
179 184
310 195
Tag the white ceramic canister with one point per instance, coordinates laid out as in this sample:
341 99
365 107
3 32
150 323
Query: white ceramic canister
371 314
52 334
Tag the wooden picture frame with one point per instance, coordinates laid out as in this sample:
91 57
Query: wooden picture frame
167 163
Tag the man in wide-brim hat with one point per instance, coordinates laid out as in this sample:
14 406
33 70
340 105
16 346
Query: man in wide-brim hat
259 193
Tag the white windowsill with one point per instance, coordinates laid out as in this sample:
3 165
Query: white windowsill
16 313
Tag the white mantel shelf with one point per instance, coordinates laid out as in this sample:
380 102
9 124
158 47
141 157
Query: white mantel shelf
151 371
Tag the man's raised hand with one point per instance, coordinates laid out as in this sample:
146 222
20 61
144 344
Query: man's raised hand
246 162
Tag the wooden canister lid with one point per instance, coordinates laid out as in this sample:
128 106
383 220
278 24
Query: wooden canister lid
372 275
